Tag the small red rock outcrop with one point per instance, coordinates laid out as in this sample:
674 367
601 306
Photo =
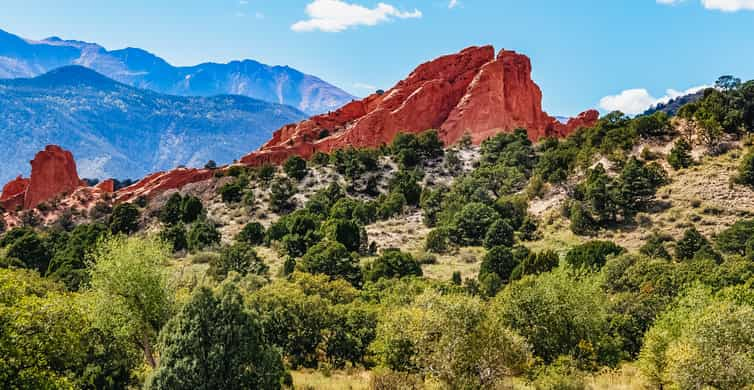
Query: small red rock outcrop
472 92
160 182
107 186
13 193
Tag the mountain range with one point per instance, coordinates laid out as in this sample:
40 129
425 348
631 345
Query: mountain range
25 58
116 130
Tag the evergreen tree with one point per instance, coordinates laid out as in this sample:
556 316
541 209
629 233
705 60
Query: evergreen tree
215 343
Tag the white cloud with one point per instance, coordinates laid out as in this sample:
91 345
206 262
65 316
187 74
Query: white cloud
338 15
454 3
720 5
729 5
636 101
243 2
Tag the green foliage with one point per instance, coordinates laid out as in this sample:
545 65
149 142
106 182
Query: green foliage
746 170
346 232
406 183
500 261
535 264
175 237
355 162
701 342
472 223
231 192
50 342
281 191
411 149
28 248
680 155
593 254
311 317
215 343
68 264
252 233
451 339
295 167
202 234
690 244
652 126
181 209
734 239
266 172
582 222
390 205
431 205
240 258
332 259
561 313
130 292
500 233
124 219
392 264
655 248
438 241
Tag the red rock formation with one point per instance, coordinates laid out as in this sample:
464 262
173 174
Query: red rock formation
107 186
472 91
160 182
53 172
13 193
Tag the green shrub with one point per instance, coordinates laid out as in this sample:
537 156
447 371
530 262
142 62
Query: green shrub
203 234
582 222
733 239
560 313
500 233
691 243
392 264
593 254
295 167
252 233
535 264
390 205
438 241
281 192
175 236
344 231
332 259
680 155
231 192
239 257
124 219
472 223
499 261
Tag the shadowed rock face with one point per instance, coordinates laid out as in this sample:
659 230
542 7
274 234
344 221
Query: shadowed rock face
473 92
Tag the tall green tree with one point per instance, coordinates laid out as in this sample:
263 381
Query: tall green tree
129 285
215 343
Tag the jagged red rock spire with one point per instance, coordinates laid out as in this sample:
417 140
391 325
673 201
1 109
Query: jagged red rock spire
472 91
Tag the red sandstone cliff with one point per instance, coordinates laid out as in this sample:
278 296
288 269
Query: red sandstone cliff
472 91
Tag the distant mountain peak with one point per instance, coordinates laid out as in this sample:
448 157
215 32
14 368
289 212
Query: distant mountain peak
71 75
23 58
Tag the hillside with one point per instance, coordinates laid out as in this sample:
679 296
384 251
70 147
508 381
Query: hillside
115 130
23 58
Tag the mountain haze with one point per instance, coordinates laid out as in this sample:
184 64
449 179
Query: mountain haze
115 130
23 58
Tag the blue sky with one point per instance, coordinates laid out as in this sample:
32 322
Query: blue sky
630 51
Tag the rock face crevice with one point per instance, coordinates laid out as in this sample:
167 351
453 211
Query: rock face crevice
473 91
